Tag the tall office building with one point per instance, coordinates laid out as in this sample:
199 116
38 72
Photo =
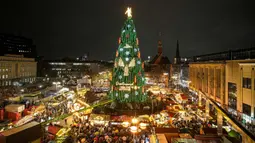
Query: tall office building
17 45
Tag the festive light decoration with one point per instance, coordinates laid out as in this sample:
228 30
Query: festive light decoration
127 76
126 95
132 63
125 124
133 129
134 121
127 46
129 12
121 63
119 40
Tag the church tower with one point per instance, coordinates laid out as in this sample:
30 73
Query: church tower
160 45
177 58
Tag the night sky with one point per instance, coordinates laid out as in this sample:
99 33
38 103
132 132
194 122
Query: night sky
63 28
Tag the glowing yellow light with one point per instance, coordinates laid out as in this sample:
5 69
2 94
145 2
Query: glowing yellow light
125 124
134 121
133 129
143 126
129 12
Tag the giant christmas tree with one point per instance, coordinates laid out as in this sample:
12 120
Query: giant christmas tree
128 75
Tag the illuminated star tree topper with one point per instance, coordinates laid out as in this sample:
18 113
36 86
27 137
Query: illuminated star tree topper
129 12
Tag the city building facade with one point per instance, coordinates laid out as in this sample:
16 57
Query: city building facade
209 78
180 70
71 68
16 68
229 79
17 45
158 69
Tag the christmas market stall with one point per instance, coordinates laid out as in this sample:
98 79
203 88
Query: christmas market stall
99 119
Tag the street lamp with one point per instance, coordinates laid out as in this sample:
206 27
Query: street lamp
142 126
125 124
56 83
134 121
133 129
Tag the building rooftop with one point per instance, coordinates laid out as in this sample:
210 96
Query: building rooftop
161 60
239 54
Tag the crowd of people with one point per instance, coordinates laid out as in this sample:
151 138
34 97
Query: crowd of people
84 132
9 91
194 125
52 112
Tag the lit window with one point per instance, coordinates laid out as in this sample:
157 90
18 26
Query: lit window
3 76
247 83
6 76
77 64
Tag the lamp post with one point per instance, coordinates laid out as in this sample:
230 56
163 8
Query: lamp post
56 84
134 126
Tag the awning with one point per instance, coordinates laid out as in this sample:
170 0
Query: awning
53 129
184 97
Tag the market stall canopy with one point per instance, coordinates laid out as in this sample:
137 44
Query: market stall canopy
121 118
213 131
15 108
182 140
162 138
53 129
172 114
208 137
170 136
184 130
184 97
234 134
166 130
99 117
185 135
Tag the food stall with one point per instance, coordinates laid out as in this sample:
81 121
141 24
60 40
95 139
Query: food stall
99 119
14 111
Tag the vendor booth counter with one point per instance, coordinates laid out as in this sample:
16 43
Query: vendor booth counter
30 132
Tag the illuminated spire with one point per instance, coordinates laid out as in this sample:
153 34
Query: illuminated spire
129 12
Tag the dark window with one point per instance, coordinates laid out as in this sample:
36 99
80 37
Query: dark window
247 83
247 109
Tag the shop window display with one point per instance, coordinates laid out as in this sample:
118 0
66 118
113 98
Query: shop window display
232 95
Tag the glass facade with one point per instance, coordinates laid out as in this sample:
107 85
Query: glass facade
232 95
